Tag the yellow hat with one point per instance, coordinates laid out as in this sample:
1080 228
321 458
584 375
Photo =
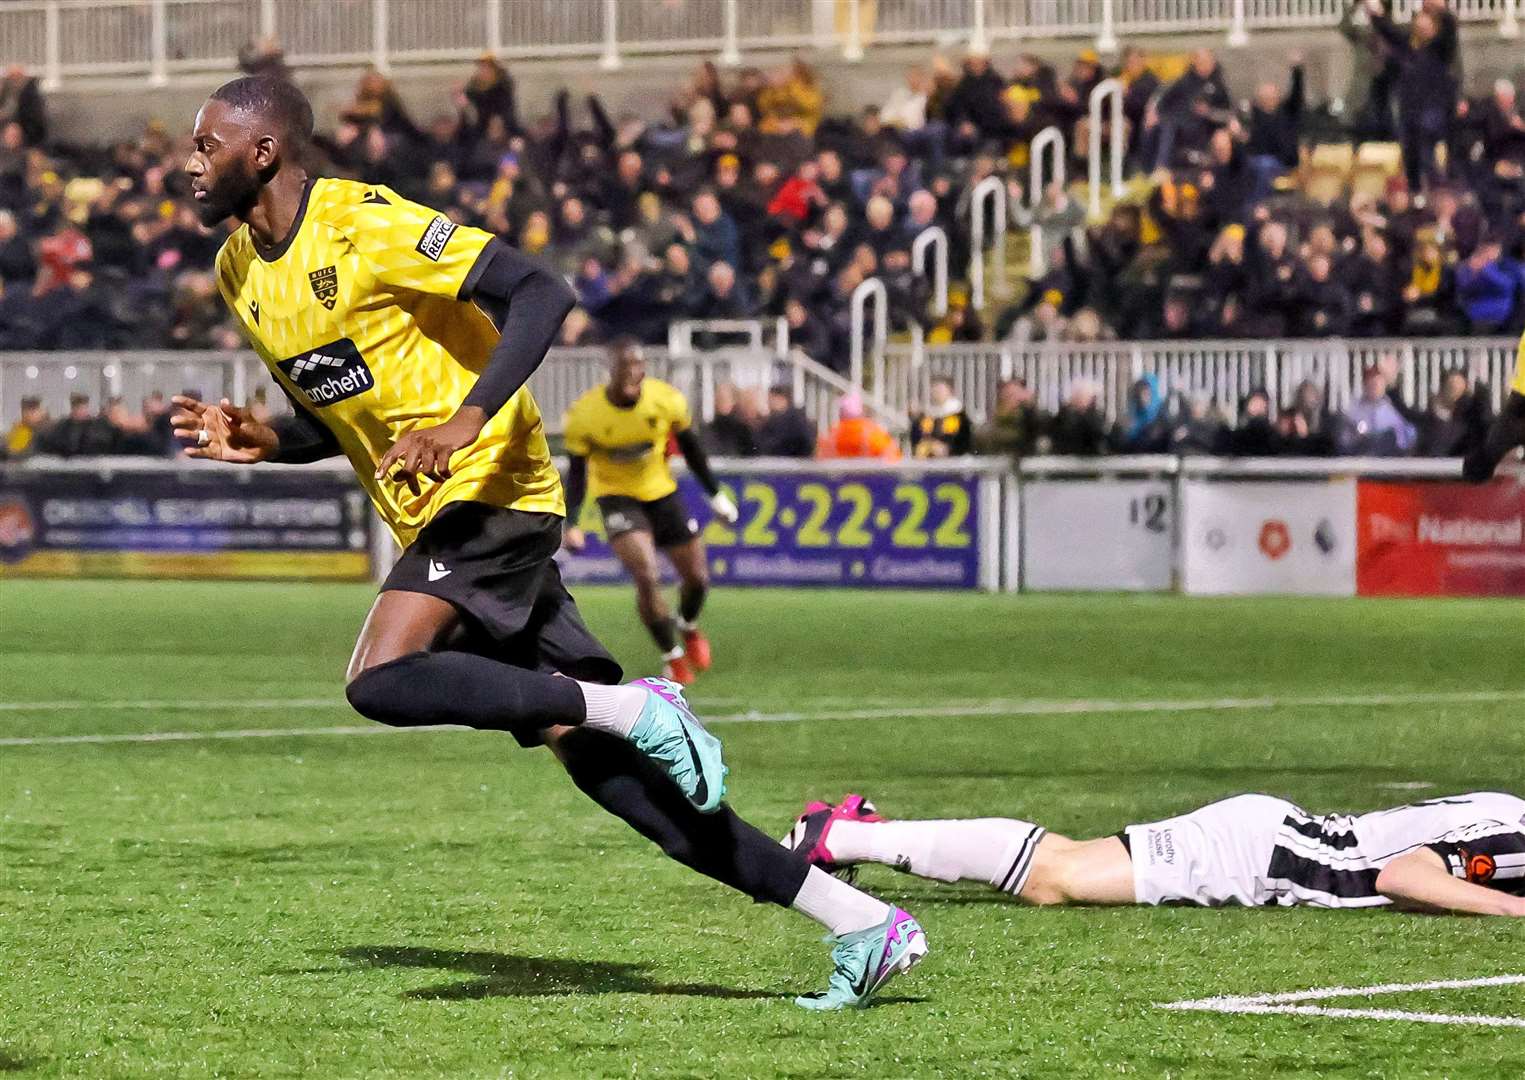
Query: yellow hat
1054 297
1088 56
729 161
1236 231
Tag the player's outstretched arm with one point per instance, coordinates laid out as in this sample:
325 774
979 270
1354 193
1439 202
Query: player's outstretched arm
699 464
577 489
222 432
1420 881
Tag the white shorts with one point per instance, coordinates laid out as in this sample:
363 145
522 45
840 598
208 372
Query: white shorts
1217 855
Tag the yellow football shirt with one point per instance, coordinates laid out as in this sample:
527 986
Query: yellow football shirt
1519 369
357 315
627 448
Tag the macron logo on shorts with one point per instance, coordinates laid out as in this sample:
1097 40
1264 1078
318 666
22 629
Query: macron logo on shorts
329 373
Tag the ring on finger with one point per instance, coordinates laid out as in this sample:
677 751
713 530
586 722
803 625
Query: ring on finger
203 437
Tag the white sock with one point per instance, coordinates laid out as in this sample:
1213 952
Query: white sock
675 653
997 851
614 709
838 906
684 626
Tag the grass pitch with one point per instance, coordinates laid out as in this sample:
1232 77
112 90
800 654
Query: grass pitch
443 904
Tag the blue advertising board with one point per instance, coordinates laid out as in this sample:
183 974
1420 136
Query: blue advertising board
884 528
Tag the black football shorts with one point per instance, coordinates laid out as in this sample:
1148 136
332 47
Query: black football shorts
666 519
497 567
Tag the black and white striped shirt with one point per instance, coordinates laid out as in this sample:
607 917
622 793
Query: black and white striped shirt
1332 860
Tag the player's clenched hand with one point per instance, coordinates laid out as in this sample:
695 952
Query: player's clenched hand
427 451
221 432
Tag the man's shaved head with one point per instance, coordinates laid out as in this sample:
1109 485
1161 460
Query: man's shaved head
248 131
274 101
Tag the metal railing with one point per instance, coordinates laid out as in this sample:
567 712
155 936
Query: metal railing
156 39
898 376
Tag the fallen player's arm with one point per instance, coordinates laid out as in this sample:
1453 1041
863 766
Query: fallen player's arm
1420 880
699 464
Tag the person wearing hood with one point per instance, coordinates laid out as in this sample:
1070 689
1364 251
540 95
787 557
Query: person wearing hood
943 430
1145 429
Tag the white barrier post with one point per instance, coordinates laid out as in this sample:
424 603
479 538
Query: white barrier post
158 45
979 41
1109 89
730 53
852 47
1238 36
873 287
1509 24
933 237
1037 256
1049 137
995 189
1106 40
610 60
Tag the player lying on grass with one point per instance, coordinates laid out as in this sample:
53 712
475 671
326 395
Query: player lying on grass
617 436
1464 854
404 342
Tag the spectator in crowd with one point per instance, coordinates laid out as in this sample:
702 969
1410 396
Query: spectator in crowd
729 434
30 427
1197 428
82 433
1426 84
1015 425
1079 428
943 429
1190 110
787 431
1488 289
1275 128
21 104
856 435
1255 435
1372 426
1456 423
1306 429
1374 287
1146 428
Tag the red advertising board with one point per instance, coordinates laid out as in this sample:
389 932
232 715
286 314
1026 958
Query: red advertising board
1440 539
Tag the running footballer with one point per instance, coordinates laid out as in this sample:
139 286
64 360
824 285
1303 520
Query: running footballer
404 341
1462 854
617 438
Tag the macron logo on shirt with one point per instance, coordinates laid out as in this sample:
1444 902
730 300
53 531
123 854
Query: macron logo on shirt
329 373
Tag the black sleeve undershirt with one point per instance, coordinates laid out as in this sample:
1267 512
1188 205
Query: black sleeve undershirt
302 438
527 301
576 487
698 461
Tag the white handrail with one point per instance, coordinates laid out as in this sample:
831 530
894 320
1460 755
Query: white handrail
1049 138
995 189
872 288
933 237
1107 90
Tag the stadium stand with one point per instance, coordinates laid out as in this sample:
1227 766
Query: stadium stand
1235 222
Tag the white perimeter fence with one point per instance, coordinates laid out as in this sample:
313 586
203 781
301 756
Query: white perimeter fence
154 39
898 380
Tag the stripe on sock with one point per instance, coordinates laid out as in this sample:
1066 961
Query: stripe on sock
1022 866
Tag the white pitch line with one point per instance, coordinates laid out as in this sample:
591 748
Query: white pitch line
998 708
1458 1019
1327 992
294 704
1282 1003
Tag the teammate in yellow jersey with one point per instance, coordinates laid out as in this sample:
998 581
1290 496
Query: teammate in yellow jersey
617 436
404 341
1507 431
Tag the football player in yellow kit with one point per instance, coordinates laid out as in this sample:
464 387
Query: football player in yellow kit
617 438
404 341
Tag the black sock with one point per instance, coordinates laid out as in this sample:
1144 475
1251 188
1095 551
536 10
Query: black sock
665 633
691 601
461 688
622 780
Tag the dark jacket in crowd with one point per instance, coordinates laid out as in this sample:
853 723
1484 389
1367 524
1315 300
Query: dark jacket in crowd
788 433
1275 133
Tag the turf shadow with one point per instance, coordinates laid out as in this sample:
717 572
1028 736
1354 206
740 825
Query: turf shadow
9 1062
505 975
